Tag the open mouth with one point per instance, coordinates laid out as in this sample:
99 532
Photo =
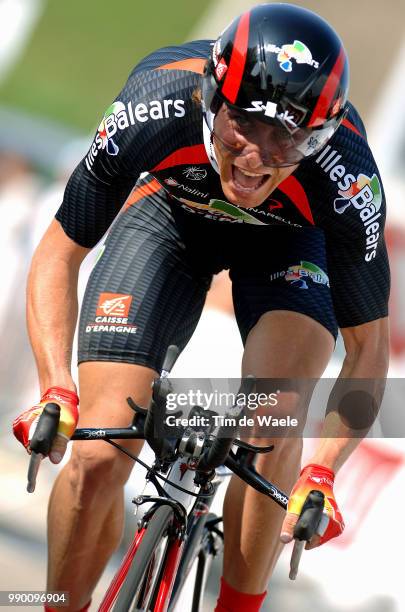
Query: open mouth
248 182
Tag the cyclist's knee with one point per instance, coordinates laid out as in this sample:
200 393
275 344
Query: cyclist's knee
280 423
287 448
285 456
96 466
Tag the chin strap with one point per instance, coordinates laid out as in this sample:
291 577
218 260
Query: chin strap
209 120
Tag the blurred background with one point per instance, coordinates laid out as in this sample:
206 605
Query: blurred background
61 64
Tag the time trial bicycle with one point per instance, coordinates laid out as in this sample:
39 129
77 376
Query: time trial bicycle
178 531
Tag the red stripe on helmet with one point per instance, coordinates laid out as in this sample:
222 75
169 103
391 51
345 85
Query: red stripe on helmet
325 99
238 59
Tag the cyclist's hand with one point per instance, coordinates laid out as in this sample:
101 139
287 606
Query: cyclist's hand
313 477
25 424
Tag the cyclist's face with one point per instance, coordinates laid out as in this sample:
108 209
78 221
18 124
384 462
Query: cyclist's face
238 143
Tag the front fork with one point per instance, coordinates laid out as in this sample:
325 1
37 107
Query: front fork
212 545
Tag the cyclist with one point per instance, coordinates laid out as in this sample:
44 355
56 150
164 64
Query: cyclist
246 156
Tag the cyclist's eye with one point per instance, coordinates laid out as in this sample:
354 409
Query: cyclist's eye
241 121
284 137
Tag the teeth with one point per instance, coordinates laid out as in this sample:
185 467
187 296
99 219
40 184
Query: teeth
246 173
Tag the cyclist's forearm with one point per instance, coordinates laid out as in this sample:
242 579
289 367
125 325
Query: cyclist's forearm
338 439
51 320
52 312
336 443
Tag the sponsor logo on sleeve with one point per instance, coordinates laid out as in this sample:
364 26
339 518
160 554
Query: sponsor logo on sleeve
120 116
112 314
363 193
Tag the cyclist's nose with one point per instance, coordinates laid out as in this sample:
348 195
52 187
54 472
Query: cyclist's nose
263 148
253 158
258 156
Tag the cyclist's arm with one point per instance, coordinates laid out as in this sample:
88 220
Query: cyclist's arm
91 201
359 276
367 348
94 195
360 284
367 357
52 305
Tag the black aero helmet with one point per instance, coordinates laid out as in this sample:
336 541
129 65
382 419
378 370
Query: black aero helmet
283 65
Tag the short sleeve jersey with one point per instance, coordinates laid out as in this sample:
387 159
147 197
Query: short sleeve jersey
155 125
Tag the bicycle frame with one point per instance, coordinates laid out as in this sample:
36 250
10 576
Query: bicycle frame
181 552
185 527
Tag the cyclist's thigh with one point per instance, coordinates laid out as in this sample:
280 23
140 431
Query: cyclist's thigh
104 388
284 309
283 305
142 296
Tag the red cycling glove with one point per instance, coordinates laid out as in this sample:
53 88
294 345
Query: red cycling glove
25 424
319 478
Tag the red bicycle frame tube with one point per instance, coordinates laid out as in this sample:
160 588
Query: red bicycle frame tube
173 556
121 573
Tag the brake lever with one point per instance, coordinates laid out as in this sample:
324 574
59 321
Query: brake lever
35 462
41 442
311 521
137 409
299 546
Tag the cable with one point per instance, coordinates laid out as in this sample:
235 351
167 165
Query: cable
156 474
